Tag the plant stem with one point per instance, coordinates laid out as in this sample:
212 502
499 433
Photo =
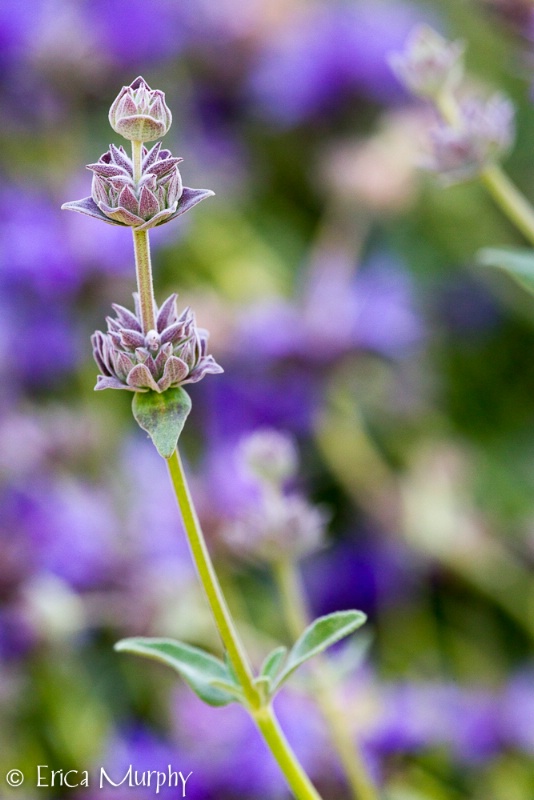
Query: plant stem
137 159
143 271
263 716
512 202
143 266
210 582
297 618
295 776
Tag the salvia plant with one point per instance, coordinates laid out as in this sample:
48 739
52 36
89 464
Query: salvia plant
471 136
153 351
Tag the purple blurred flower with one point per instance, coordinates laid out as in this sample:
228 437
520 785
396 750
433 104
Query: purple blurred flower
366 573
25 321
145 753
16 24
516 712
16 634
73 531
325 53
144 38
224 747
338 313
152 525
42 259
420 716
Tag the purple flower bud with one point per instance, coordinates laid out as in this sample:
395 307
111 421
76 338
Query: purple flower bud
483 134
140 113
269 456
118 199
174 354
429 64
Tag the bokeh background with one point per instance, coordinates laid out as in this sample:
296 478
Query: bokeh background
339 285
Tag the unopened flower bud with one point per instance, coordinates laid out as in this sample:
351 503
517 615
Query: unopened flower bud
429 64
140 113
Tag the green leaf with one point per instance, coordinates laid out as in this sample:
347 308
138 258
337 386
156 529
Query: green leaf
162 416
273 662
517 262
207 676
230 688
321 634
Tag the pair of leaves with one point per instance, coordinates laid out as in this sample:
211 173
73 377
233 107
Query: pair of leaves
517 262
162 416
215 682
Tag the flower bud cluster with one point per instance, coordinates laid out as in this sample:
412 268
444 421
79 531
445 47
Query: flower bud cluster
282 527
151 194
173 354
473 133
140 113
158 196
483 133
269 456
429 64
274 524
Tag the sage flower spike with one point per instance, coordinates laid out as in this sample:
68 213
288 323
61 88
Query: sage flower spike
140 113
158 197
483 134
173 354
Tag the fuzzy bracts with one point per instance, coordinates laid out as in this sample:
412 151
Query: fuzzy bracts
157 197
173 354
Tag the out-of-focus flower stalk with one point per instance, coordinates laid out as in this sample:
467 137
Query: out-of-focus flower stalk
297 617
505 193
263 715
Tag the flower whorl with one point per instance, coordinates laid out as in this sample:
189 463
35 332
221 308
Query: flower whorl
173 354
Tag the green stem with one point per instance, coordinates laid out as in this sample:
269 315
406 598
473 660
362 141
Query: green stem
298 617
143 271
137 159
210 582
143 265
295 776
263 716
512 202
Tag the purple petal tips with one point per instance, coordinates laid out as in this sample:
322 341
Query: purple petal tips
167 358
156 198
140 113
